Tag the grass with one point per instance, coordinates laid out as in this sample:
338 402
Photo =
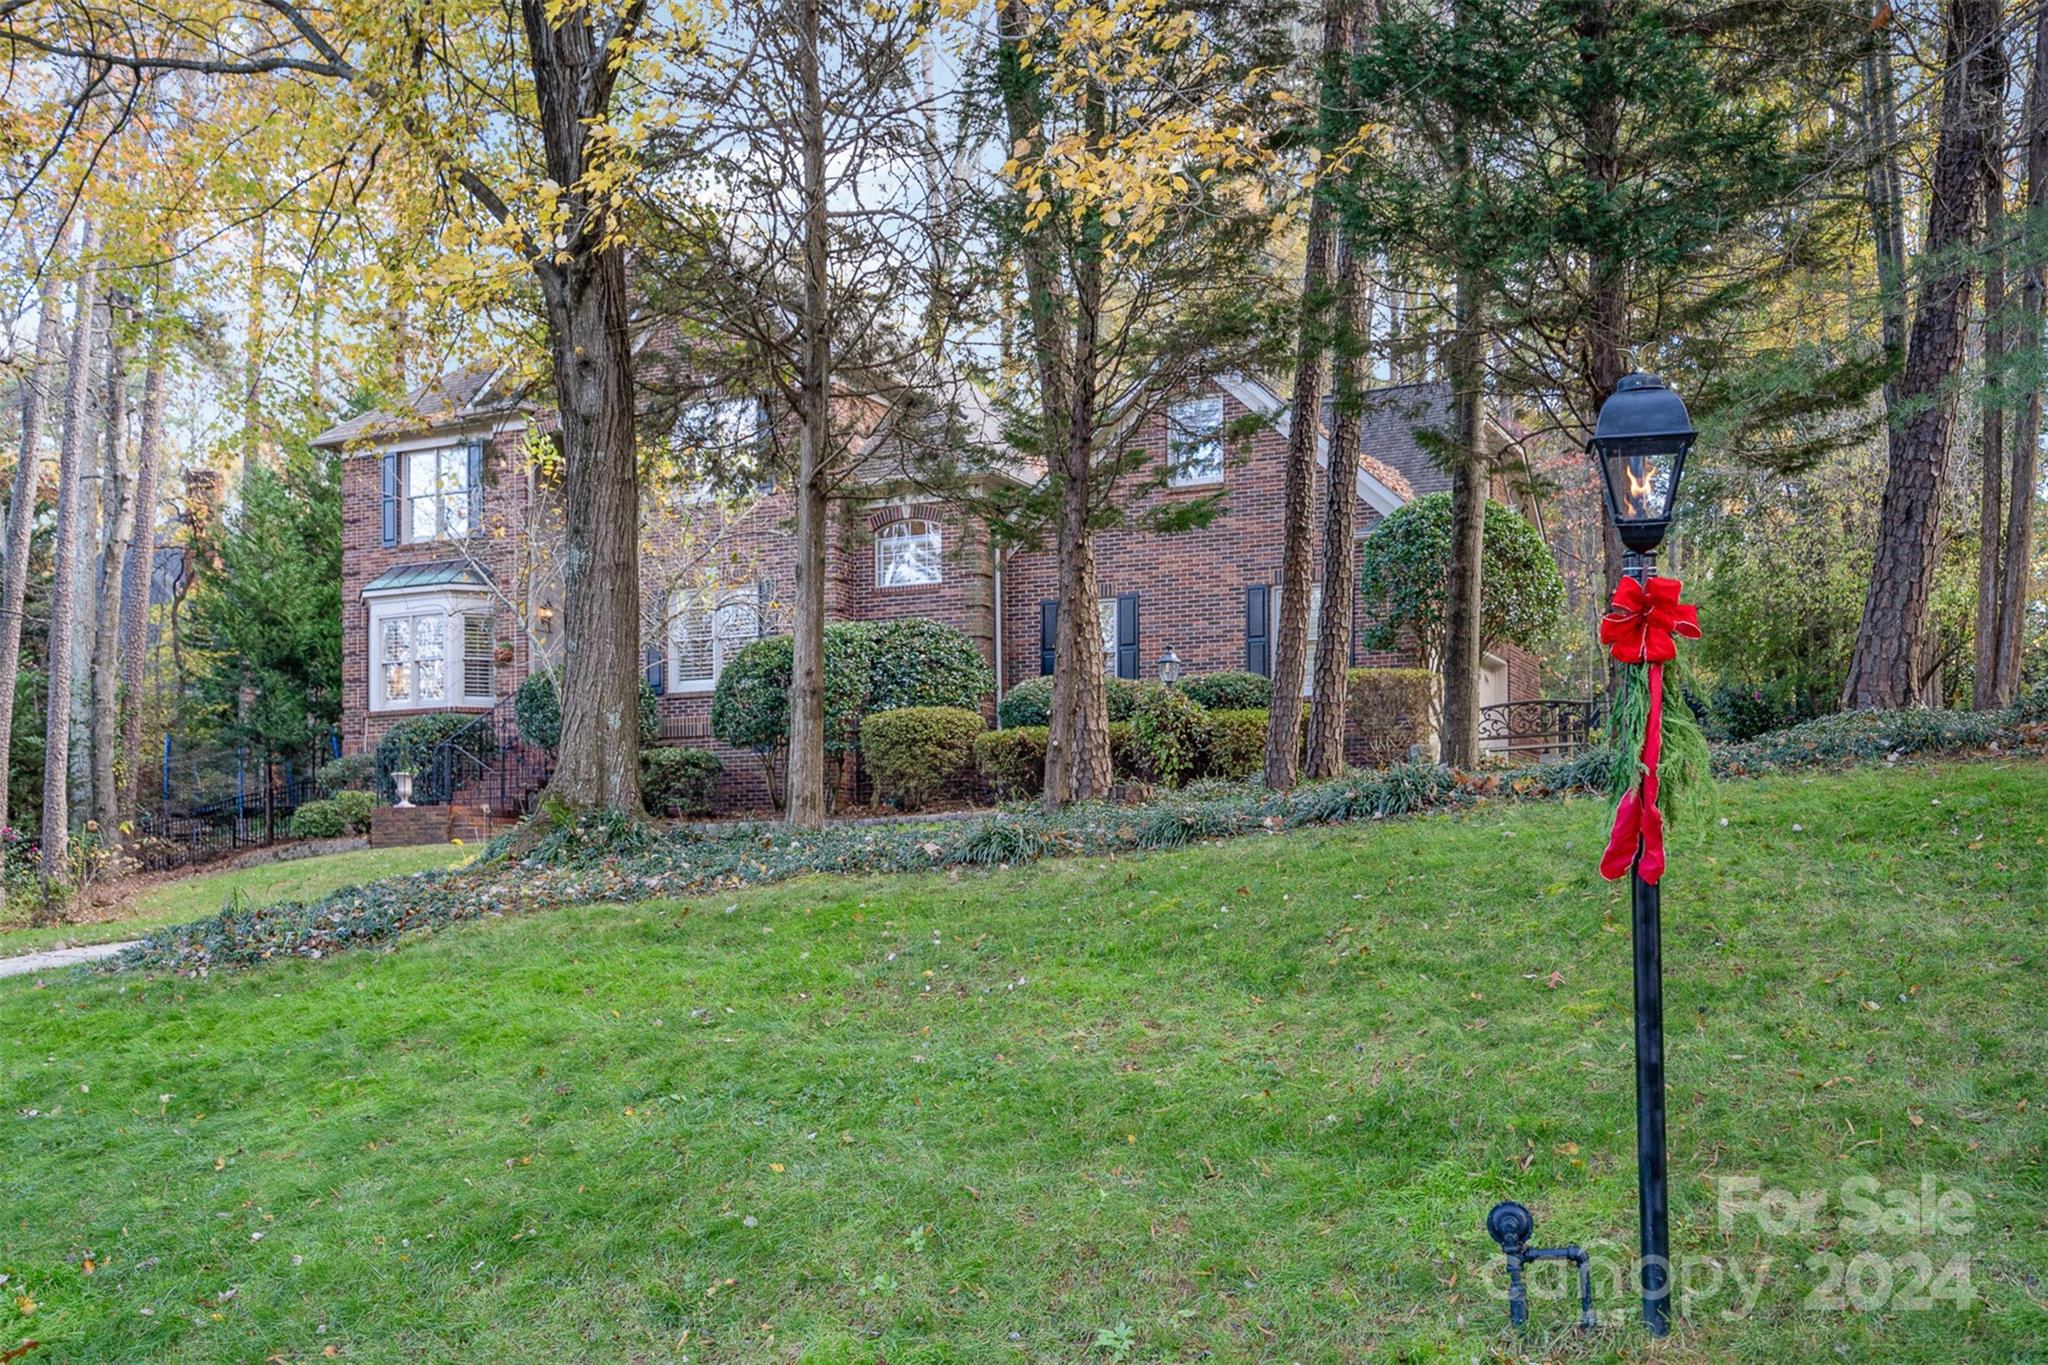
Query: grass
194 897
1251 1098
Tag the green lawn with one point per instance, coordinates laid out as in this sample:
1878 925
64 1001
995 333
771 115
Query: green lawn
1250 1100
196 897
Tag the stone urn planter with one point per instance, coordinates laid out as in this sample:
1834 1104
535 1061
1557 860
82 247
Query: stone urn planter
401 783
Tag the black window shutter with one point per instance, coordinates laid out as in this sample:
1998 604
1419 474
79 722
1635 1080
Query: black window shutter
1127 635
476 484
1048 635
657 670
390 477
1256 658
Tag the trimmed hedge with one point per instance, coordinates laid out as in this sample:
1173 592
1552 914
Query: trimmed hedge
349 773
1012 761
1229 691
1236 743
921 662
678 781
913 752
1389 709
1168 734
355 808
318 820
1030 701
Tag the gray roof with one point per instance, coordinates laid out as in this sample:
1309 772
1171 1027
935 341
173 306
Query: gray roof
439 573
1389 425
464 395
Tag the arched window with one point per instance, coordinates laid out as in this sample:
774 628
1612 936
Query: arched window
907 554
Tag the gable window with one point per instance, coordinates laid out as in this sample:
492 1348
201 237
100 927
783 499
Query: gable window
705 630
431 650
437 493
1194 442
907 555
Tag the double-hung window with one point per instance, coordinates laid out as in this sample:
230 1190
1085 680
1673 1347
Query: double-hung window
706 628
907 555
437 494
1194 442
431 652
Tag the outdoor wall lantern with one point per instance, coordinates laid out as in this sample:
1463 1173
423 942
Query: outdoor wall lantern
1169 667
1639 442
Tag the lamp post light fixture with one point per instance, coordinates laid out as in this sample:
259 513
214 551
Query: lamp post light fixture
1169 667
1640 443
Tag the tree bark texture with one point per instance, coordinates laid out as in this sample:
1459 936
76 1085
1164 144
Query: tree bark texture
1990 440
1468 472
1884 663
2017 556
140 563
71 455
583 286
35 406
117 505
1297 525
807 673
1331 687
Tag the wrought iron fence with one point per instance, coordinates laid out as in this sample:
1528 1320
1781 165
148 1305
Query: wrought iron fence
212 800
1551 727
485 762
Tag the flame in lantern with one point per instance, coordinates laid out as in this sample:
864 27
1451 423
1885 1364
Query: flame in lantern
1639 485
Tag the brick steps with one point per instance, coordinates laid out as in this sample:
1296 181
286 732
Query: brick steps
397 827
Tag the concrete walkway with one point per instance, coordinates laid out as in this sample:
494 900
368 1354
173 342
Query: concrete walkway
54 958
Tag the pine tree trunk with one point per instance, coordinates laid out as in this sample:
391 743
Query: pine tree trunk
1890 643
1884 194
2017 556
1990 448
117 504
1297 525
137 568
807 673
1467 353
85 600
35 406
1326 720
71 455
591 350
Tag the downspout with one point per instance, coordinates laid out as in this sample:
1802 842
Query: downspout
997 556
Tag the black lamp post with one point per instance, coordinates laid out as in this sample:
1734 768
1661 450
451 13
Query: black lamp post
1640 443
1169 667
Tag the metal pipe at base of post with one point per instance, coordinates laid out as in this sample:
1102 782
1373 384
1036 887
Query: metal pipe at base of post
1652 1184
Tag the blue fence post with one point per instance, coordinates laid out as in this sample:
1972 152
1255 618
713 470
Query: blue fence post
167 765
241 793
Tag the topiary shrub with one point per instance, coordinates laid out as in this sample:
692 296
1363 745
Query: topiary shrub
1012 761
318 820
1168 734
1236 743
537 711
920 662
411 746
1229 691
349 773
1030 701
1405 567
914 751
355 808
1388 709
678 781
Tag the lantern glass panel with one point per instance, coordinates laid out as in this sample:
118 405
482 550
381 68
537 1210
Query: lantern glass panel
1642 476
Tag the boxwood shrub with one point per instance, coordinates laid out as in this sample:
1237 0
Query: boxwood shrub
1236 743
355 808
1012 761
1229 691
1030 701
318 820
1168 732
678 781
913 752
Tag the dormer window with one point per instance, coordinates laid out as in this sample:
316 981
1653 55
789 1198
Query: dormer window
907 555
1194 442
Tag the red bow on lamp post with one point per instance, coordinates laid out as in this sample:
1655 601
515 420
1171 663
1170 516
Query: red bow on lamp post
1638 630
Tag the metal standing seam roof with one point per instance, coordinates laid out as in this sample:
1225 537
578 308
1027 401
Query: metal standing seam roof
441 573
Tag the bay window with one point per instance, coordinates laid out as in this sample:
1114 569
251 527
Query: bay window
432 651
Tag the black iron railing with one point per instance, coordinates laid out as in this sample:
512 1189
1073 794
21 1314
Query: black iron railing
211 802
486 763
1552 727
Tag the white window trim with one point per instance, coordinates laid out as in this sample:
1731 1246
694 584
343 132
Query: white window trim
452 607
1315 616
1106 627
1179 434
900 530
731 599
442 498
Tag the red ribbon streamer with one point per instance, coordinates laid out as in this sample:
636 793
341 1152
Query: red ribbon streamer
1638 630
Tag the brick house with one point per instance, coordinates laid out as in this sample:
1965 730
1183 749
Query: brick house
452 594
